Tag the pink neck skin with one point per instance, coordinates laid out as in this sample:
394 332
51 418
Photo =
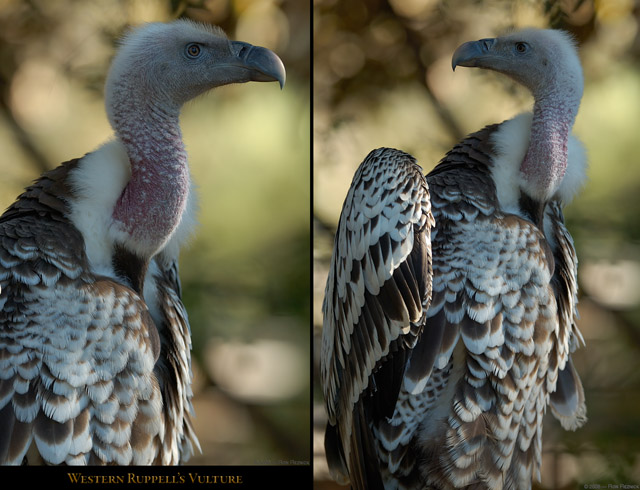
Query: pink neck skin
545 162
151 205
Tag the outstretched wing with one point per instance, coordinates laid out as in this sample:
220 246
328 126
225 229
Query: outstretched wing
377 294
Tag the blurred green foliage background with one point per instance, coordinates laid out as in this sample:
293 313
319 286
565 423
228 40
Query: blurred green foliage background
246 274
382 77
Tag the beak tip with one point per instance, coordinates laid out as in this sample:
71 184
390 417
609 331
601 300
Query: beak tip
278 71
264 65
282 79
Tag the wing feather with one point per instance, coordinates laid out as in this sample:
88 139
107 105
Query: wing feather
567 400
174 366
377 293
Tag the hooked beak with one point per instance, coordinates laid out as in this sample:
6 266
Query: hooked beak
263 64
473 53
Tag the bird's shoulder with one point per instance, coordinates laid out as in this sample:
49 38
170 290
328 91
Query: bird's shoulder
45 273
462 181
39 244
467 191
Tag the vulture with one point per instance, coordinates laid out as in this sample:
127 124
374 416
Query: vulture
449 316
95 364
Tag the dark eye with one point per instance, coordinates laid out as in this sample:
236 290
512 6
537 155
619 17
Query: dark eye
521 47
193 50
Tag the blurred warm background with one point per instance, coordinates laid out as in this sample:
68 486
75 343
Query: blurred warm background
246 276
382 77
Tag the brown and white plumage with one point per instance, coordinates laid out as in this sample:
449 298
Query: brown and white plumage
95 364
457 398
377 295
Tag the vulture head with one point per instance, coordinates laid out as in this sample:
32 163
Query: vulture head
547 63
157 69
543 60
171 63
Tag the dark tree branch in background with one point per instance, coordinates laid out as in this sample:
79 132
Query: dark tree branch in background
414 41
24 140
322 226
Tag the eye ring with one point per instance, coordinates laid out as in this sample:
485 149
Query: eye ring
193 50
521 47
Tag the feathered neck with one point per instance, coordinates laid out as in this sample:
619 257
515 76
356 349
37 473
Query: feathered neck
152 204
545 162
512 142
